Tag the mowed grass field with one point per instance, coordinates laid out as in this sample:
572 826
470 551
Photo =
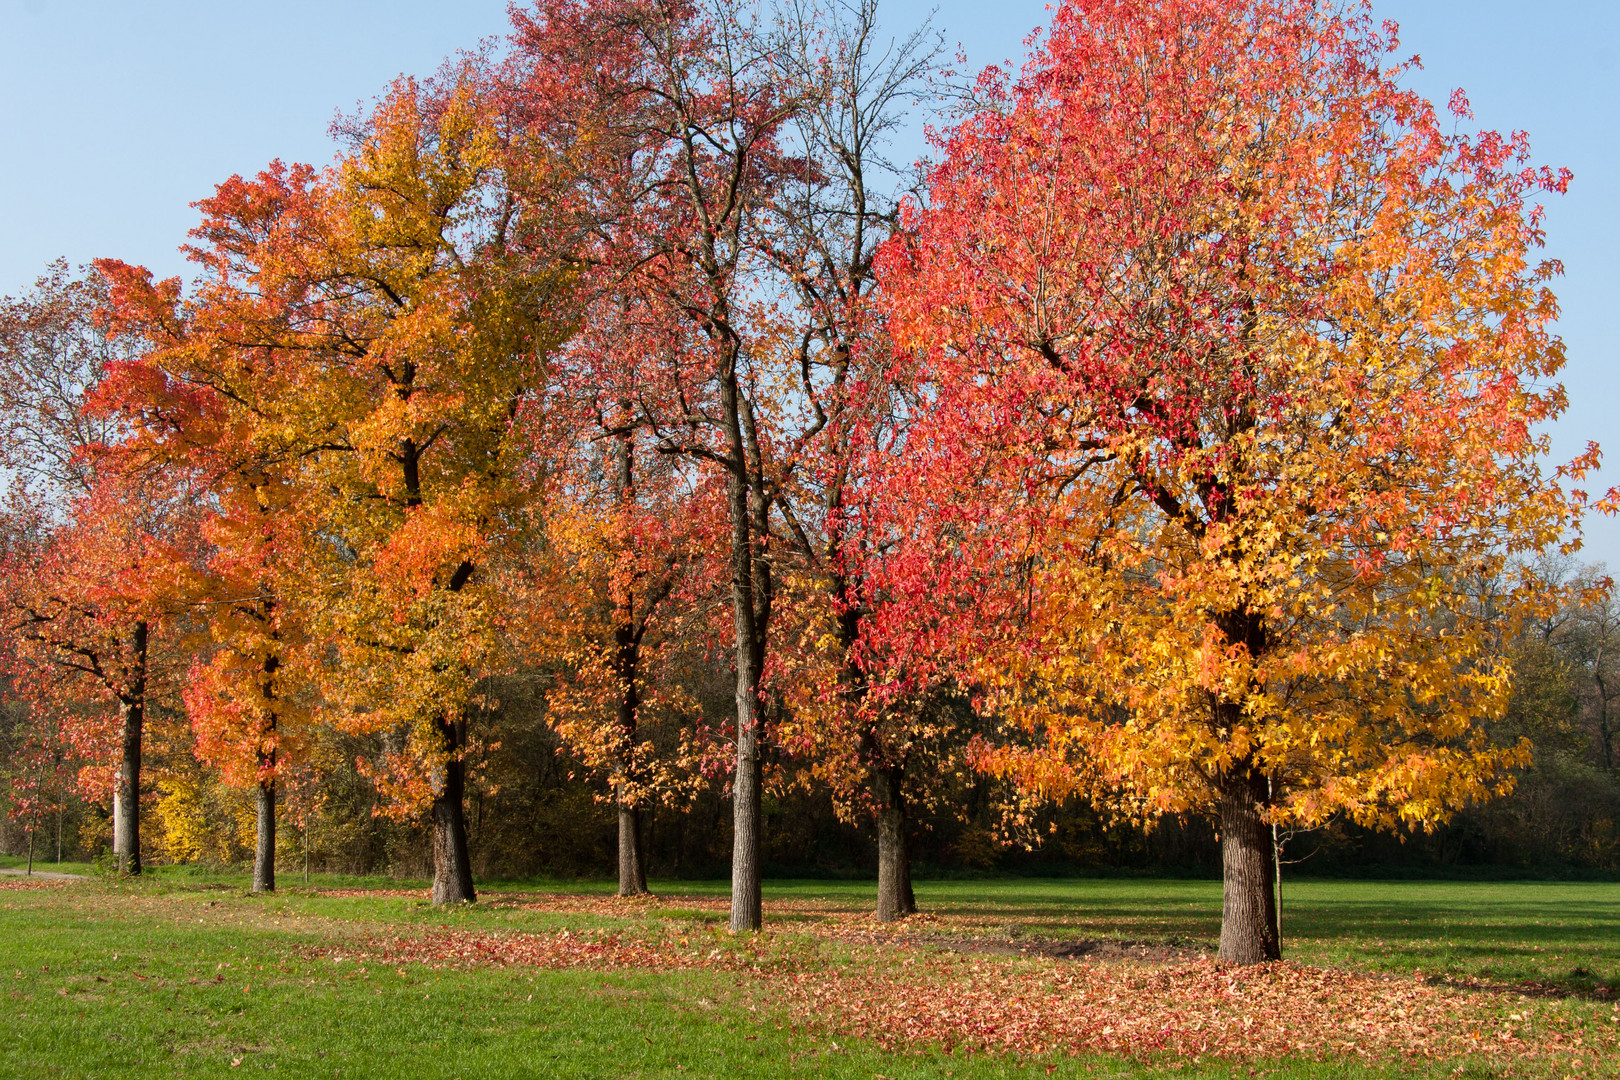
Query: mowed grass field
185 974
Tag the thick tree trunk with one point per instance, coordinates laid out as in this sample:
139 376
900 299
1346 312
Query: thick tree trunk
632 852
452 864
127 796
895 899
1249 908
264 854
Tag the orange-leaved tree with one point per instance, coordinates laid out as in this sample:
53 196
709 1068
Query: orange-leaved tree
87 544
197 409
384 340
84 604
1260 347
621 589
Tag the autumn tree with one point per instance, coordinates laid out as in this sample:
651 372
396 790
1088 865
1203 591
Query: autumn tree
372 324
1263 349
194 408
81 540
619 580
84 605
860 716
677 116
706 141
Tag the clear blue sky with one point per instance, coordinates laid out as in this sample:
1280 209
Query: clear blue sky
116 115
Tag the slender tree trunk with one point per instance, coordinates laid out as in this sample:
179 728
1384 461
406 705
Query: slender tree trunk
452 865
30 851
750 608
747 885
264 855
632 852
1604 735
118 814
895 899
58 834
1248 860
127 797
627 663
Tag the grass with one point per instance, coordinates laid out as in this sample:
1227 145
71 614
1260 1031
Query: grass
183 974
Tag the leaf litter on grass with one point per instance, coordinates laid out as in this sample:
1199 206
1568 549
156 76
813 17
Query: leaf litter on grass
901 994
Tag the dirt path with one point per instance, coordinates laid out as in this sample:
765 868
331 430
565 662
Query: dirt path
15 872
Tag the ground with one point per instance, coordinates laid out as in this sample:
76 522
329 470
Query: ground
186 974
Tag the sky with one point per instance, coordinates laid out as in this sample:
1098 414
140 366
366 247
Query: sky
115 116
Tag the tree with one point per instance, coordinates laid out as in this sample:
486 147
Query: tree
672 117
720 151
1249 355
189 408
379 337
83 605
618 592
859 714
80 540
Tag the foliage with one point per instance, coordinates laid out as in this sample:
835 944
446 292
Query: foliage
1250 355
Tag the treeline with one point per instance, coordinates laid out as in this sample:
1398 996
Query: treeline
612 429
1563 816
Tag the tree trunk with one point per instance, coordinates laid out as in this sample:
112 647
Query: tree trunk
118 813
627 664
747 885
632 852
750 586
452 865
264 855
127 797
895 899
1249 909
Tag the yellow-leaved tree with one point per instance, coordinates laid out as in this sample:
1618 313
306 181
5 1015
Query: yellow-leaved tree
1248 358
379 327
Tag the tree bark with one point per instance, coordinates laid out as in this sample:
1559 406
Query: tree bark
1248 861
452 864
895 899
632 852
747 885
127 795
750 597
264 854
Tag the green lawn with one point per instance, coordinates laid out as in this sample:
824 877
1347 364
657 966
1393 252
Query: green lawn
183 974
